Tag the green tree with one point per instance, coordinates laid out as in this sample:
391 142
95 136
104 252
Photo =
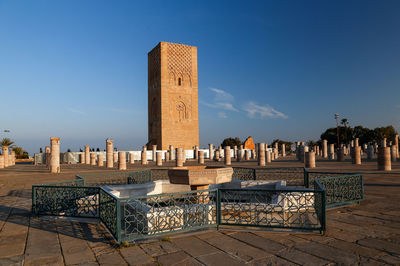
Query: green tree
20 153
288 144
6 142
387 132
231 142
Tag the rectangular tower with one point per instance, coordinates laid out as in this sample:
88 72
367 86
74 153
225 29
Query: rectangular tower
173 109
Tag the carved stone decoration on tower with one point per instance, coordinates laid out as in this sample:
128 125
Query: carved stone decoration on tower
173 96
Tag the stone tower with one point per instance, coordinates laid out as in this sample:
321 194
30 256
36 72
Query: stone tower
173 110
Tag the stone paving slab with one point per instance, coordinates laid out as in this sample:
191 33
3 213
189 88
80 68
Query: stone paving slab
136 256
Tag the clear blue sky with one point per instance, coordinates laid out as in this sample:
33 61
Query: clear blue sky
269 69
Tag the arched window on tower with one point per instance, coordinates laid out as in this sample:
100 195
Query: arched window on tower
179 82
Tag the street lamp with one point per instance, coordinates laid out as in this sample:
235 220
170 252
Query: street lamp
337 130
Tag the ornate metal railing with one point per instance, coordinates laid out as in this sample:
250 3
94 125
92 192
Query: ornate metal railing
61 200
110 213
292 209
147 216
342 190
292 175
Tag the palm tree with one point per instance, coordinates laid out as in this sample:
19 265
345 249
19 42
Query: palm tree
6 142
344 122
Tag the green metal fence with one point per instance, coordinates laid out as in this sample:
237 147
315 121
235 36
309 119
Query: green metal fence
293 176
342 190
291 209
140 217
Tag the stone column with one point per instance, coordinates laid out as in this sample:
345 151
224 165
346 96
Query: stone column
268 157
247 155
283 147
227 157
109 153
131 158
1 161
325 148
93 158
261 154
115 157
370 152
121 160
195 152
356 158
47 156
317 150
221 151
383 143
87 154
100 160
301 153
309 161
159 158
12 158
82 158
216 155
396 142
394 150
201 157
211 151
183 155
167 156
55 155
154 153
144 157
179 157
253 154
332 152
235 149
171 152
356 142
384 159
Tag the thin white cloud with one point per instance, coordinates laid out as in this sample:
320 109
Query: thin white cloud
76 111
222 100
222 115
253 110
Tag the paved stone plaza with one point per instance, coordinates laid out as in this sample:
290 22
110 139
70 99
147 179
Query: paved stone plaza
365 234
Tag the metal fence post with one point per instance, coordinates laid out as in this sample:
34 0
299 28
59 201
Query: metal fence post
306 178
323 222
33 200
218 208
254 174
118 221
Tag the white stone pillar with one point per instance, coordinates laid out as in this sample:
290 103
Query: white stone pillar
283 146
216 155
356 154
115 157
159 158
100 160
201 157
109 153
394 150
144 156
356 142
325 148
383 142
384 163
227 157
235 149
268 157
93 158
154 153
167 156
211 151
396 142
370 152
55 155
1 161
247 155
131 158
171 152
309 161
87 154
261 154
179 157
121 160
196 152
332 152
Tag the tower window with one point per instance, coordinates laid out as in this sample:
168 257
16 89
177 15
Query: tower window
179 81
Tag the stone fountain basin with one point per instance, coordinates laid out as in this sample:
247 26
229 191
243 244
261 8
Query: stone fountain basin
200 175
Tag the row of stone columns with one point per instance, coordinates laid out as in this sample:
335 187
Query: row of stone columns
7 158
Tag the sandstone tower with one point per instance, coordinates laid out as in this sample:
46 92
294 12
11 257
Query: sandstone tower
173 110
